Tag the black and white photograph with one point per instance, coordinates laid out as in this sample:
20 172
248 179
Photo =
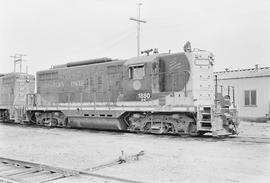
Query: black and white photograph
134 91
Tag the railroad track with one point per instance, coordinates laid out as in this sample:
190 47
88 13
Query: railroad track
16 171
207 138
249 139
241 139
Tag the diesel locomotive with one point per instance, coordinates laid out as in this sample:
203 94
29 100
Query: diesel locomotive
167 93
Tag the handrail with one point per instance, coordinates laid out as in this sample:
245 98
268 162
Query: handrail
221 91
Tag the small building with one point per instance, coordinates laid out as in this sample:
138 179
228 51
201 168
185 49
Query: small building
251 91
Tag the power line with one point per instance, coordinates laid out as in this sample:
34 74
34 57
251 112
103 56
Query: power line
17 58
116 42
139 21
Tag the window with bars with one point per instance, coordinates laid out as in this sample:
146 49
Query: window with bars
250 98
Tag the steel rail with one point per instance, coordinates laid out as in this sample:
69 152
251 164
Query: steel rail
17 171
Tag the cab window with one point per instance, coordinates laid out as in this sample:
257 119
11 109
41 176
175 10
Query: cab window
136 71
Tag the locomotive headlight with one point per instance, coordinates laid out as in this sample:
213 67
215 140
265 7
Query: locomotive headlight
137 85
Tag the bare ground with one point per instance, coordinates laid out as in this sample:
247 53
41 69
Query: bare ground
245 158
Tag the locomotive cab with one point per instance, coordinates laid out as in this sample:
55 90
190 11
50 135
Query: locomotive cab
153 77
140 85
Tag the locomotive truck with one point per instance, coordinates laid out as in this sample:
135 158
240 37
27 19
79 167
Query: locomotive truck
167 93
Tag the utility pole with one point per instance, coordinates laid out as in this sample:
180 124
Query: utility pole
17 58
139 21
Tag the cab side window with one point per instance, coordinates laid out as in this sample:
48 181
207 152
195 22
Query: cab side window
136 71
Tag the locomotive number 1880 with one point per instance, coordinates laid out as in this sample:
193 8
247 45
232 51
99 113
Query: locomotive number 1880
144 96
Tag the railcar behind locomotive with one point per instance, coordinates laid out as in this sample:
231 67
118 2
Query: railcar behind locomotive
13 90
161 93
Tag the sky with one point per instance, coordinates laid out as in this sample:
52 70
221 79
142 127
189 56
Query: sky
52 32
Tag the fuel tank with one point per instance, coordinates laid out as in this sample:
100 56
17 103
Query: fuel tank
102 123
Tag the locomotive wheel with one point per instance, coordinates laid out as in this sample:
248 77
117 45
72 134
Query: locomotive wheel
50 122
200 133
192 129
146 127
49 119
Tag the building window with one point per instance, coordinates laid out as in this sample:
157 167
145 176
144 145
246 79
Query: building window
250 98
136 72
